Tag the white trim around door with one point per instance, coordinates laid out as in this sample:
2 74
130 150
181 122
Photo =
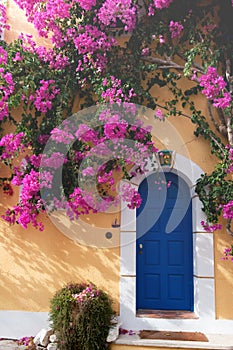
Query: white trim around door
203 259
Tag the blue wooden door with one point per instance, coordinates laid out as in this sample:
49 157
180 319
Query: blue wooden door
164 254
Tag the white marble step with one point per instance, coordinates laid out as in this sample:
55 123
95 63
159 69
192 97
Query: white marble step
216 342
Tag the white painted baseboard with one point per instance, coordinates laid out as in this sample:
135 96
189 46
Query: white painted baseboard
18 324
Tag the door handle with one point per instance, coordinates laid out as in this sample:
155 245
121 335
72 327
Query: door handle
140 246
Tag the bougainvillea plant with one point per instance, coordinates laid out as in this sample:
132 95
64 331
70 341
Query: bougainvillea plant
167 42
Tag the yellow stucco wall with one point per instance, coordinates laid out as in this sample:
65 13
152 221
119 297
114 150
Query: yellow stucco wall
34 264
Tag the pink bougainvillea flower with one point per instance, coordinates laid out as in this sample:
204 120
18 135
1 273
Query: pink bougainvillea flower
159 114
175 29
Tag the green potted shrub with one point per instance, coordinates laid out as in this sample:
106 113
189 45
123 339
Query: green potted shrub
80 315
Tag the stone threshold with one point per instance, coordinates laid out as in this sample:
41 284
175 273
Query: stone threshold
169 314
216 342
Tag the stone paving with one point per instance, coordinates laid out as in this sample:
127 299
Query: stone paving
216 341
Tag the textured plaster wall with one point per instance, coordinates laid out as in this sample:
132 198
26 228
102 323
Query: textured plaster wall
34 264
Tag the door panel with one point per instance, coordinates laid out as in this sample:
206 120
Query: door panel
164 261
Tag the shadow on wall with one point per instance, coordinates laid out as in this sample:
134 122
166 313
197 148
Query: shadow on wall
35 264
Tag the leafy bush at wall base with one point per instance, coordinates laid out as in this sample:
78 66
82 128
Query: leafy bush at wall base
80 316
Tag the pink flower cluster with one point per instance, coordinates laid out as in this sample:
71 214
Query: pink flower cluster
93 45
213 88
91 40
83 202
86 134
31 186
11 145
123 10
159 114
28 44
27 5
230 157
228 210
6 89
45 16
42 139
78 204
228 254
89 171
161 4
88 293
101 143
58 9
175 29
80 201
146 51
46 179
45 95
34 160
54 161
30 204
115 130
113 91
212 83
56 60
3 56
131 196
210 228
18 176
105 177
61 136
24 214
86 4
224 101
3 19
26 341
17 57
